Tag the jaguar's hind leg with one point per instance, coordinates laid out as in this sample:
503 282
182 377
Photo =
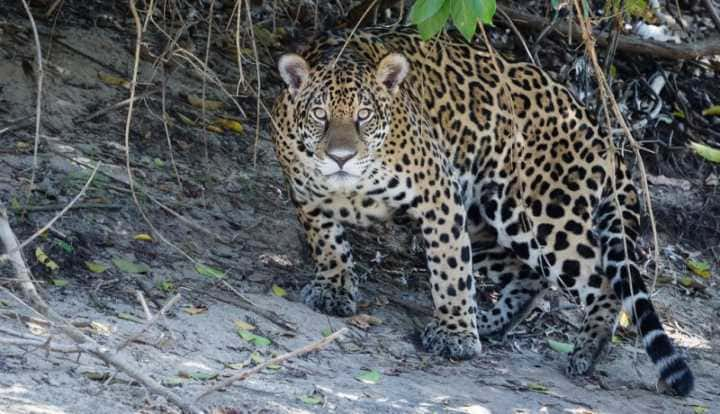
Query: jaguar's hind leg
519 287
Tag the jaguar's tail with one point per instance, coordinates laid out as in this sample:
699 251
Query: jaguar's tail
618 230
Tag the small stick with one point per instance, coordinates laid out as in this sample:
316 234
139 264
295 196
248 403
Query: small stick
89 345
246 304
713 13
146 309
79 206
15 255
124 102
38 103
151 321
64 349
518 34
314 346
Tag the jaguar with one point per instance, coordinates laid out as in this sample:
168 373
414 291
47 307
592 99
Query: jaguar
507 175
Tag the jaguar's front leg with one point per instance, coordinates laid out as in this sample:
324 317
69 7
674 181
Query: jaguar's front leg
453 331
333 290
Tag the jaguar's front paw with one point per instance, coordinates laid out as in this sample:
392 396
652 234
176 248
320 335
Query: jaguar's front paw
329 299
437 339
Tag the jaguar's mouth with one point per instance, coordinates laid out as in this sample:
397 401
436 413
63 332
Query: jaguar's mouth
341 174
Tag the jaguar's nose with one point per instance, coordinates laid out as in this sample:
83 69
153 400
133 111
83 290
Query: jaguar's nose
341 155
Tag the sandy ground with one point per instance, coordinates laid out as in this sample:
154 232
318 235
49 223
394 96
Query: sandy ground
245 226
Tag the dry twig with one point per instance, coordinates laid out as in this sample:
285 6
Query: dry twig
38 103
150 322
315 346
631 45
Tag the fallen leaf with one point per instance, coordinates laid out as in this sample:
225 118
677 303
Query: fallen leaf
143 237
101 328
45 260
214 128
278 291
130 267
364 321
195 309
229 124
624 320
174 381
96 376
368 377
707 152
712 111
236 365
254 339
243 326
208 271
537 387
96 267
113 80
59 282
699 409
326 332
129 317
67 247
185 120
699 267
203 376
256 358
166 286
313 399
562 347
210 105
690 283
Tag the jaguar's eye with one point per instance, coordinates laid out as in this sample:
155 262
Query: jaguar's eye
364 114
319 113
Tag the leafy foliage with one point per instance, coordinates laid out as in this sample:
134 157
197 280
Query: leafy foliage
430 16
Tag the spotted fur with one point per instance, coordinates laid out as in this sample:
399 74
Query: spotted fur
519 187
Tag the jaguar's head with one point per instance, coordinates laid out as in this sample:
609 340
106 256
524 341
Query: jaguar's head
342 111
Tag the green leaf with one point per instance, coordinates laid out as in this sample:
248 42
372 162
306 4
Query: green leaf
699 267
96 267
707 152
484 10
433 25
537 387
699 409
166 285
464 17
257 340
278 291
312 399
59 282
712 111
65 245
174 381
130 267
208 271
203 376
425 9
368 377
562 347
326 332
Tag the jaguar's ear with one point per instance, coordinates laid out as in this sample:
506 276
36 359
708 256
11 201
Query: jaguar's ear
294 71
392 70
